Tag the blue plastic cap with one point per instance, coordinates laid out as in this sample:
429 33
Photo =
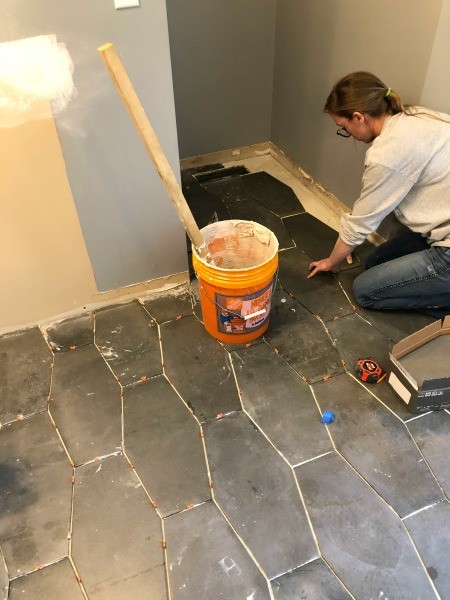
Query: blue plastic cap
327 416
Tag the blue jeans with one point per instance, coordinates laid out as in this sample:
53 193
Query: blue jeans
406 273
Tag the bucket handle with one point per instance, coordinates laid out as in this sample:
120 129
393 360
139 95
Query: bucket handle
255 314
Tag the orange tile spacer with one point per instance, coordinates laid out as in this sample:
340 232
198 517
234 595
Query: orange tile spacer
335 318
144 378
343 362
72 347
304 378
354 307
40 567
189 506
54 425
191 411
73 479
78 577
131 465
52 365
154 504
318 317
69 535
178 318
219 416
211 484
248 345
48 399
201 434
277 351
72 464
326 377
164 545
20 417
116 378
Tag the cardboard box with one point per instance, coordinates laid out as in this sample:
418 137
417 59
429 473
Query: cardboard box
420 368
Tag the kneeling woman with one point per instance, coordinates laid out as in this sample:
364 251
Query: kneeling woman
407 171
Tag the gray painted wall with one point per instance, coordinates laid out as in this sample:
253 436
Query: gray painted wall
222 61
319 41
436 91
131 230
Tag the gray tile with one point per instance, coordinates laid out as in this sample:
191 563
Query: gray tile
206 561
85 404
315 238
199 368
55 582
396 324
206 208
377 444
116 538
355 338
282 406
429 530
127 337
250 210
36 491
77 331
362 540
314 581
169 304
25 374
4 578
255 489
163 442
273 194
432 434
321 295
301 339
229 190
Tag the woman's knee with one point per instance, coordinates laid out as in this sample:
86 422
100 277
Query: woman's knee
362 291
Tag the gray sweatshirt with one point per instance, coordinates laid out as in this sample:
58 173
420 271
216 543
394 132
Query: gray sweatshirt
407 170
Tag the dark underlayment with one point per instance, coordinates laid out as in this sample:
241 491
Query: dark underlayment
141 458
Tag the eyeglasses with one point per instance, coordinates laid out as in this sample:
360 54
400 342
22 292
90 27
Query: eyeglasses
343 132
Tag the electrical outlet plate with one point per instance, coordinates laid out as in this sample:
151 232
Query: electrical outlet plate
126 3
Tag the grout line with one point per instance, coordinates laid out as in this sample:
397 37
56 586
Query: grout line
38 568
376 398
78 578
427 575
222 512
416 512
426 462
312 459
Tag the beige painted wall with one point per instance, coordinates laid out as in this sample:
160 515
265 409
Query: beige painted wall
44 265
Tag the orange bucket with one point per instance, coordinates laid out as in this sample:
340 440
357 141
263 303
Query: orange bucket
236 286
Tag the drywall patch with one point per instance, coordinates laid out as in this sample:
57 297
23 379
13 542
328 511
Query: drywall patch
32 70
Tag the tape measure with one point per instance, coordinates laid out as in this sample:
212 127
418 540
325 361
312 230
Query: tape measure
369 371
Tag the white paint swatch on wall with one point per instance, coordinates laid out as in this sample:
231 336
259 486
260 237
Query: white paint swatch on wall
32 70
126 3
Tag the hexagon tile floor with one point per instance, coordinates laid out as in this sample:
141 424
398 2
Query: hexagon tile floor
142 459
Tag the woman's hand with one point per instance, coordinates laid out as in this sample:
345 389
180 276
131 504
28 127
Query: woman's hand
321 265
